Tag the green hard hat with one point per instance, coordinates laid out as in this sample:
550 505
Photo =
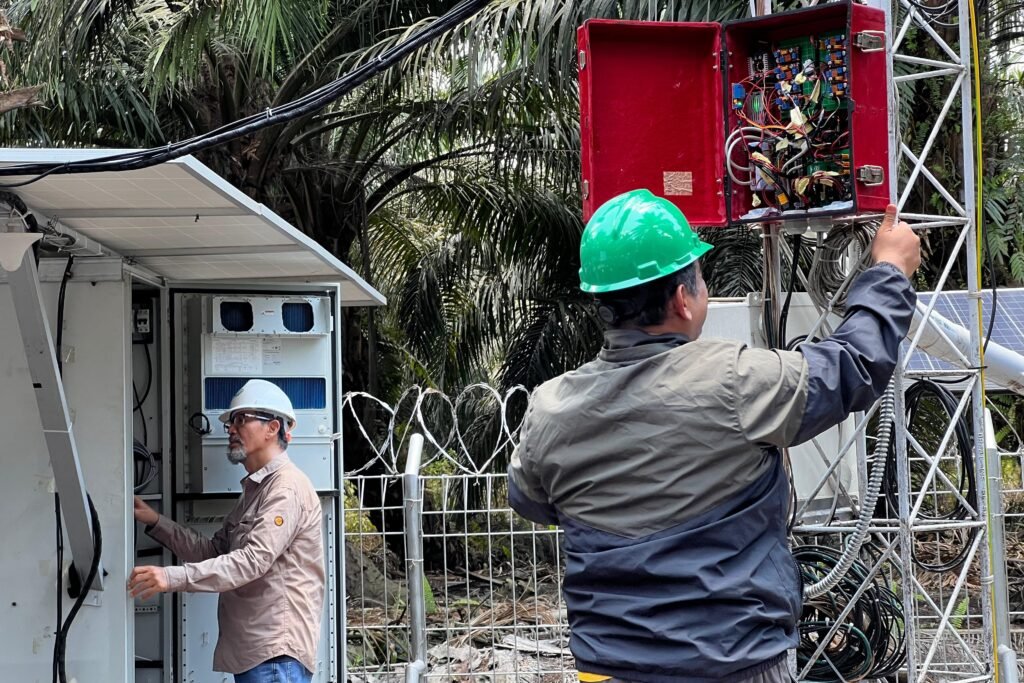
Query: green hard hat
634 238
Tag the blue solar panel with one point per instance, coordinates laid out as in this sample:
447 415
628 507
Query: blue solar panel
1007 331
298 317
305 393
236 316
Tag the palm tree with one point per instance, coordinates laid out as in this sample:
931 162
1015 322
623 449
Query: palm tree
451 180
460 166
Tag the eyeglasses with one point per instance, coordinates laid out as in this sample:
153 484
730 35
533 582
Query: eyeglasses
239 419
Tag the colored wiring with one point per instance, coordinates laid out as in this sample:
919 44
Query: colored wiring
786 144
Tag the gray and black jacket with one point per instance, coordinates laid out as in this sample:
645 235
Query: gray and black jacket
660 461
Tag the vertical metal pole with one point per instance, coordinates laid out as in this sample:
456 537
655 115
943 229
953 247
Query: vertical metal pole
972 251
773 275
338 451
997 539
413 494
906 536
772 264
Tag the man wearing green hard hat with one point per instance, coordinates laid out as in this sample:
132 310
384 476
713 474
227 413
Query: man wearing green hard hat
660 458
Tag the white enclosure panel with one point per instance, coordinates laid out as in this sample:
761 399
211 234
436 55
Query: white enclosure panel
216 362
740 320
100 646
221 476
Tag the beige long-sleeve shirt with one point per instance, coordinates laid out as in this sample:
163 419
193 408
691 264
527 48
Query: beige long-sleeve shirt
267 563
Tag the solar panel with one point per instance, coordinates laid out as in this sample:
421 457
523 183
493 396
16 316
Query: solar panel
1008 329
184 222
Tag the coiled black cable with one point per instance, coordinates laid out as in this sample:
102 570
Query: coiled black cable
870 642
937 507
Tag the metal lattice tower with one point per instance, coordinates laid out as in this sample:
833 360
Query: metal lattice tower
940 650
956 621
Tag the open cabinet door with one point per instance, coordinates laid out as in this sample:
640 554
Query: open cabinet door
651 114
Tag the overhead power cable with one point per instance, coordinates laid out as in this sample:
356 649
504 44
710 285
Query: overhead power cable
307 104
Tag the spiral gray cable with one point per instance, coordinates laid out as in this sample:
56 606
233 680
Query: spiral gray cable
867 508
828 273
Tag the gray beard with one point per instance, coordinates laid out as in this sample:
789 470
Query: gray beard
236 456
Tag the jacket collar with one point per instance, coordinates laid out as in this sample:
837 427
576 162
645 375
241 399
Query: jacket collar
628 345
276 463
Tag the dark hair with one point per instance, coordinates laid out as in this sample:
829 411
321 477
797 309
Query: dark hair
282 439
644 304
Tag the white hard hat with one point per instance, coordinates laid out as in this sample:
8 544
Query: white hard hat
261 395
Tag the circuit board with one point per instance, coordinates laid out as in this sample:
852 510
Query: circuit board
791 144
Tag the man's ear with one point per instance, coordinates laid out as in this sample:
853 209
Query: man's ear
679 303
280 426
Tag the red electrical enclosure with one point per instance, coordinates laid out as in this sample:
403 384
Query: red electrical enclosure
656 110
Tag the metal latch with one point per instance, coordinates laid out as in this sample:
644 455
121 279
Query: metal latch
871 175
583 60
870 41
586 189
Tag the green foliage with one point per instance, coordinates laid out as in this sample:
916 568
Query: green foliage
733 267
356 522
428 598
450 181
959 614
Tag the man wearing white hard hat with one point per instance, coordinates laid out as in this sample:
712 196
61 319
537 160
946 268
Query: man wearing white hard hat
266 561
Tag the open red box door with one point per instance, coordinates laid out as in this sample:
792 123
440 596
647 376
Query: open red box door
651 109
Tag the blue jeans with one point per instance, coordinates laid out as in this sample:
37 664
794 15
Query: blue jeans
277 670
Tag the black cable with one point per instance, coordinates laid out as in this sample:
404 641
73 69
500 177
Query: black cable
794 343
142 415
794 265
204 426
149 380
61 633
58 652
139 401
870 642
61 637
58 342
307 104
60 582
966 484
18 204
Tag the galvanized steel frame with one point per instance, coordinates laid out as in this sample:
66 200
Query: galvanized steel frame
923 660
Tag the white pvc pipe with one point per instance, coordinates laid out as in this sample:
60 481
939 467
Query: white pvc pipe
1002 366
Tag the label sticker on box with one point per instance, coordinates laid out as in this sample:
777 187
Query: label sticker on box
678 183
233 356
271 353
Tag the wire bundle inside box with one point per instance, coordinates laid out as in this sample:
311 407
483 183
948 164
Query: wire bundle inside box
791 141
